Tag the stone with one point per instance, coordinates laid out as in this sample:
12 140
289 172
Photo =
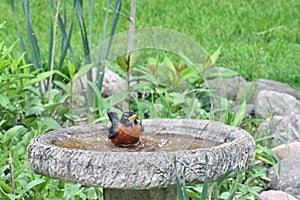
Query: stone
112 83
226 86
143 169
264 84
288 179
287 150
275 195
288 128
249 110
269 103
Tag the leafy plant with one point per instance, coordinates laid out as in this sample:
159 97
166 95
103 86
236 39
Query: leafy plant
207 190
66 23
24 113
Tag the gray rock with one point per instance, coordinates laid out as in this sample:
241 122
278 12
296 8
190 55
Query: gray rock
288 180
275 195
264 84
249 109
287 150
269 103
288 128
225 86
112 83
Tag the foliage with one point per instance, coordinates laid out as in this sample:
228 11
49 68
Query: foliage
259 38
65 20
246 185
18 181
24 113
20 101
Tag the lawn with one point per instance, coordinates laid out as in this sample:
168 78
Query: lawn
259 39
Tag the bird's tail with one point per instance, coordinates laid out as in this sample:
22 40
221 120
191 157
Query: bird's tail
113 117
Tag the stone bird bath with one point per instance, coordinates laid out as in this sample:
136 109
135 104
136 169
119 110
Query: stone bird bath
84 155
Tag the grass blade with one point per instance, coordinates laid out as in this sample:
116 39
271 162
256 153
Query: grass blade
165 104
30 185
90 8
50 47
206 184
238 119
34 47
66 36
219 182
178 185
97 100
65 42
114 25
231 196
86 48
102 53
23 48
100 69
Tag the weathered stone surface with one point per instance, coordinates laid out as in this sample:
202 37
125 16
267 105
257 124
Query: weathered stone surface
142 170
269 103
287 150
168 193
226 87
286 127
264 84
275 195
112 83
288 181
249 109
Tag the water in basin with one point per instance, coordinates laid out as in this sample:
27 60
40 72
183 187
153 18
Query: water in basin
148 143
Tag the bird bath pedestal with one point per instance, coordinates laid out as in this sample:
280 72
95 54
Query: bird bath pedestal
84 155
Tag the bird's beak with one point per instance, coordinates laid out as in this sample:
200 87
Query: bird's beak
132 117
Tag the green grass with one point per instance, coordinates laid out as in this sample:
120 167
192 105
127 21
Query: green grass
260 39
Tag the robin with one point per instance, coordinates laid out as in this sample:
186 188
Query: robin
126 131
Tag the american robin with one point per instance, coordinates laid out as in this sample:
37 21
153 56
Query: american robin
126 131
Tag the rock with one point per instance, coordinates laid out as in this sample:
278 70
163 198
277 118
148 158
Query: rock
264 84
287 150
226 86
112 83
288 128
288 180
249 109
275 195
269 103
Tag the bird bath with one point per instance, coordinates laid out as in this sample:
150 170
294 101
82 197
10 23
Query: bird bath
83 154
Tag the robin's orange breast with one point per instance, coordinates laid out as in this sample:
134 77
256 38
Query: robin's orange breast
127 135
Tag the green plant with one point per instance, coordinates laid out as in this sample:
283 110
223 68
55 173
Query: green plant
24 113
66 23
207 190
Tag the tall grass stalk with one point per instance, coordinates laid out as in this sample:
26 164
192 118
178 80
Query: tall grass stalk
103 53
53 48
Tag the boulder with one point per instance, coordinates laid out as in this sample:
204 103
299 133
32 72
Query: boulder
287 150
288 128
269 103
275 195
112 83
263 84
226 82
249 110
288 179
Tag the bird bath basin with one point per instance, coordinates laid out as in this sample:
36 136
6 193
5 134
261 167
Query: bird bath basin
83 154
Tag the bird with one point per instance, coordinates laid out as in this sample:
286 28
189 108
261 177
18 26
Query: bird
125 131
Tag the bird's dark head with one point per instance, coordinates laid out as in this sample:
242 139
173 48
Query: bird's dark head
129 119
